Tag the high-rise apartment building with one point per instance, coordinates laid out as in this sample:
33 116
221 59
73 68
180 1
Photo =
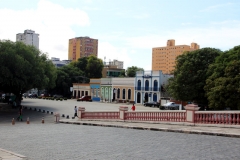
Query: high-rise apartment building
115 62
29 37
163 58
82 47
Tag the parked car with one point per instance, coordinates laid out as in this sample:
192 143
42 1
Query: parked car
32 96
152 104
171 106
85 98
57 96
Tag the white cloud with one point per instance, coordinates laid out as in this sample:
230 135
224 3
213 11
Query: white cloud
214 7
110 52
51 21
220 35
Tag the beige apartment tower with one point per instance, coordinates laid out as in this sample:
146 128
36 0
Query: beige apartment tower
82 47
163 58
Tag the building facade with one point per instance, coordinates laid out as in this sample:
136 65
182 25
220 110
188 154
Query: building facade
29 37
117 89
163 58
123 89
81 89
82 47
95 89
111 71
115 62
148 85
58 63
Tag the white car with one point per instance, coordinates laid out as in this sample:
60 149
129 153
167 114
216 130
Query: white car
171 105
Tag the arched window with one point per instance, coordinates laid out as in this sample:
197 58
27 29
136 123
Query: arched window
155 97
138 97
155 85
106 93
139 85
146 85
98 92
123 94
102 92
118 93
129 93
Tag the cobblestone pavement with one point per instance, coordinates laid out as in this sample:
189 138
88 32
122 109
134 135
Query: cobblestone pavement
52 140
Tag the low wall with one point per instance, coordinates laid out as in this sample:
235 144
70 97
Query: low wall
189 115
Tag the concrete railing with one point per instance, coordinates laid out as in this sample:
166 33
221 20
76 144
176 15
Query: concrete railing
217 117
191 114
174 116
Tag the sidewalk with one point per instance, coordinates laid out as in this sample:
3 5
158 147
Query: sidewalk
7 155
181 127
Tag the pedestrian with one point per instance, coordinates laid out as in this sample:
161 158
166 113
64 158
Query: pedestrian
133 107
75 112
20 113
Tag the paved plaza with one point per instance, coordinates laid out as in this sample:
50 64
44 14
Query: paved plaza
61 141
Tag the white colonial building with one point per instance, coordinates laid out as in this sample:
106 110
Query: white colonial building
148 85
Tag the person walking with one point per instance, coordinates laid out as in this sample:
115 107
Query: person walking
75 112
133 107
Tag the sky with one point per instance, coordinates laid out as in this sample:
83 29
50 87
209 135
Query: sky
126 30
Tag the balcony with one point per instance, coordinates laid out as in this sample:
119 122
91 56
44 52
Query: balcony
157 89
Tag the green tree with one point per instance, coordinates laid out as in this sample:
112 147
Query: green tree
131 71
190 74
94 67
24 67
91 66
223 84
81 64
66 75
122 73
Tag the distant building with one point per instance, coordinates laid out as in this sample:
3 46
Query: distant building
29 37
163 58
111 71
82 47
58 63
117 63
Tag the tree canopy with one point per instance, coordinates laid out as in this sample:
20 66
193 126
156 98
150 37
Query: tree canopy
131 71
223 84
190 74
91 66
77 72
23 67
66 75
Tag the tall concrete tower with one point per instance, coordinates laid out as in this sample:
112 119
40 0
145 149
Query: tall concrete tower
29 37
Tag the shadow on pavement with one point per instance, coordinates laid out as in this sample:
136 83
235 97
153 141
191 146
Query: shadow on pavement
34 116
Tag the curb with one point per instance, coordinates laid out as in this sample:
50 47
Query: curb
12 155
156 129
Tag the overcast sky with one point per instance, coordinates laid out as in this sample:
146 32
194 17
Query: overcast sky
127 30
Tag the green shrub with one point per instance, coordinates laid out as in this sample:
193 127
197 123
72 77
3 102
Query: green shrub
65 98
39 97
